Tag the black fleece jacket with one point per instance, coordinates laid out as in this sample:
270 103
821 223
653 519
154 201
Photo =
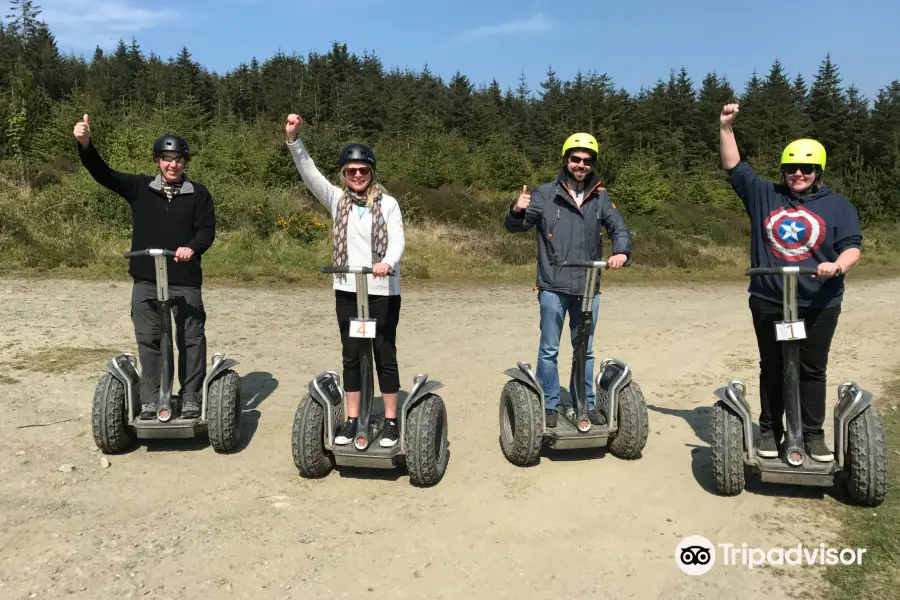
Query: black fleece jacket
188 220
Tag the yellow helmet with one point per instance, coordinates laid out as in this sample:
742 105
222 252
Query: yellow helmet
804 152
581 140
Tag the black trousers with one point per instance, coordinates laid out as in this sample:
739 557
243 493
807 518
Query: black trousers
386 312
820 327
190 337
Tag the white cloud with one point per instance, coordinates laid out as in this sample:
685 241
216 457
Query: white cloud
536 23
85 24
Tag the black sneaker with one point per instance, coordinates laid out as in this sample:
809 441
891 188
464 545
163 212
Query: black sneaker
597 418
768 445
345 432
148 411
550 415
390 434
818 451
190 409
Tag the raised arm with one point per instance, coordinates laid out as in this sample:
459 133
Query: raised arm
120 183
324 191
744 181
728 148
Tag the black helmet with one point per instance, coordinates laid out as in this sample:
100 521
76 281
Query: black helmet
357 153
171 143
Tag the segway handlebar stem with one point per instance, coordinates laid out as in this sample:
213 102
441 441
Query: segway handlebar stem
590 280
789 287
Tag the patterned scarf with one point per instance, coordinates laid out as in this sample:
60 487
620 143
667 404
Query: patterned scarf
379 229
170 189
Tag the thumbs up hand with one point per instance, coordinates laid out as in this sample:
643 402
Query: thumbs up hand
82 132
524 199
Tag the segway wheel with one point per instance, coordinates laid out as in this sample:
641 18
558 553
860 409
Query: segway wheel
727 451
633 423
308 439
867 476
521 423
428 448
223 411
108 416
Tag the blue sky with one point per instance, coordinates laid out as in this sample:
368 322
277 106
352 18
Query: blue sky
634 42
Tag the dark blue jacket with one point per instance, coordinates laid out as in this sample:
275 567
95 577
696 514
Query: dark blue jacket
786 231
565 232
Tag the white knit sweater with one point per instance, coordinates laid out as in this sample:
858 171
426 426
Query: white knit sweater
359 227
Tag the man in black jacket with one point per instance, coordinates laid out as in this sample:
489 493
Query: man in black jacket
569 215
171 212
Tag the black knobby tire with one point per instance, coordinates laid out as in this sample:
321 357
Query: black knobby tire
521 423
867 468
109 415
632 421
427 445
727 450
223 411
308 439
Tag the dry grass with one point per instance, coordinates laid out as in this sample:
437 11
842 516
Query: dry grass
62 359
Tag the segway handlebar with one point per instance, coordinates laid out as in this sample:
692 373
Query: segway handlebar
360 270
781 271
150 252
590 264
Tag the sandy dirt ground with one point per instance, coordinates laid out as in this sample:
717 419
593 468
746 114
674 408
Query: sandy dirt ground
176 520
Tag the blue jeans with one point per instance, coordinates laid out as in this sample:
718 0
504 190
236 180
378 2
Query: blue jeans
554 306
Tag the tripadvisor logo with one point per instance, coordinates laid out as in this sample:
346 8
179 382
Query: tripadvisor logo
696 555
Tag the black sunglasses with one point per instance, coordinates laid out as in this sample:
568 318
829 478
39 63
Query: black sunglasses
791 168
578 160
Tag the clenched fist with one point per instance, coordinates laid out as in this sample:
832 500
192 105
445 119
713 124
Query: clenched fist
729 112
290 128
82 132
524 200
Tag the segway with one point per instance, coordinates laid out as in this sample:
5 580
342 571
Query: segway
859 449
116 406
423 447
523 424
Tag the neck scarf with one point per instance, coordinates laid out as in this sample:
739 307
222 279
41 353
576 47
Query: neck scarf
379 228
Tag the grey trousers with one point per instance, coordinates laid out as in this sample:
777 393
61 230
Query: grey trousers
189 333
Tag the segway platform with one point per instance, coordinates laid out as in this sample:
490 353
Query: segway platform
811 472
177 428
565 436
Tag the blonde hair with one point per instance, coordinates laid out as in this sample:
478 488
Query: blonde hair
374 186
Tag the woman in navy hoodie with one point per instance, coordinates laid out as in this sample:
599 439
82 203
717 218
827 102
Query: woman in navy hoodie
798 221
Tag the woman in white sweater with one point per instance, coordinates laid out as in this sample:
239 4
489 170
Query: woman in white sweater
368 231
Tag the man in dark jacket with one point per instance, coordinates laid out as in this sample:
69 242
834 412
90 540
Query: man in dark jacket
569 215
171 212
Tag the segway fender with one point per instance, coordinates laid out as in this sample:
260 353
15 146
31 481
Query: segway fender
614 375
420 390
325 388
219 364
124 368
852 401
732 395
525 375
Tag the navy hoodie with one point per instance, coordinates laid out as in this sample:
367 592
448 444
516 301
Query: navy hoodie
786 231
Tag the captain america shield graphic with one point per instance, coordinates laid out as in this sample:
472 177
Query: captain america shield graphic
794 233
